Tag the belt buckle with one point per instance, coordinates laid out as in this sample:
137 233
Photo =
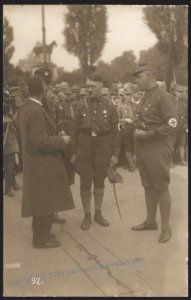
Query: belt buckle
94 133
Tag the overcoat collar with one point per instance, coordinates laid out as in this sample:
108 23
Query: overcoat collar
45 113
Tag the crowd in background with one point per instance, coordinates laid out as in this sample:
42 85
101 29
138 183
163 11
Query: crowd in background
62 100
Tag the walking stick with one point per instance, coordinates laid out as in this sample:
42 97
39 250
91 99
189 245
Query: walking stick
114 189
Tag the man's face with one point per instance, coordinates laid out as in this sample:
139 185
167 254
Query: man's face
93 91
143 80
68 97
122 97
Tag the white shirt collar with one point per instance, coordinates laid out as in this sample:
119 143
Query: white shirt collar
35 100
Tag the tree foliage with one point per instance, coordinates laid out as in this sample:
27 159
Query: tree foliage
85 33
8 37
154 57
11 75
169 23
124 66
120 69
8 50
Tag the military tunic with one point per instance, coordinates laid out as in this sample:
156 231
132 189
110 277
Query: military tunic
96 139
157 116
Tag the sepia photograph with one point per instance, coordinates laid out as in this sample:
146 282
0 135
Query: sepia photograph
95 150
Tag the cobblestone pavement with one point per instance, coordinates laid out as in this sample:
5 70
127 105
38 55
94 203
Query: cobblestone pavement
100 261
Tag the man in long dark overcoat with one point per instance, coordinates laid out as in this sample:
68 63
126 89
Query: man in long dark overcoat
45 185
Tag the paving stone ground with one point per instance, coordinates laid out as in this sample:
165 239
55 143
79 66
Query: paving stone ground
111 261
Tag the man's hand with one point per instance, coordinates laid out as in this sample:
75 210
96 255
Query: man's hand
113 161
66 139
140 134
128 120
119 126
73 159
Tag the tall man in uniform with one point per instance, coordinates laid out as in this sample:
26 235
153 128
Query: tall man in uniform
156 123
97 142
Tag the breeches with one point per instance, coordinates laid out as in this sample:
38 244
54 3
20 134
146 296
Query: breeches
154 160
92 160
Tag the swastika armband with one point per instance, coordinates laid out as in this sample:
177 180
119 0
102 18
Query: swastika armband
172 122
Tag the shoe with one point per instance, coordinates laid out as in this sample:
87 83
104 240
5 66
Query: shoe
58 220
86 221
165 235
145 226
17 187
100 219
52 236
10 194
51 243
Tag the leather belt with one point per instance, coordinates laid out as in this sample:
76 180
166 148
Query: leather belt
94 133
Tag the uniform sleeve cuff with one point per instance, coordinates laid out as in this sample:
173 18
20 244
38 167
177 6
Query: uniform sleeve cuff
150 133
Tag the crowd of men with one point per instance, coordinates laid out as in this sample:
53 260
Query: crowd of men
91 127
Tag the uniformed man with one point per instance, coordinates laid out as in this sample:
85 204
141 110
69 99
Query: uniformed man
64 122
156 122
75 94
97 143
105 92
114 95
83 93
180 137
10 146
126 116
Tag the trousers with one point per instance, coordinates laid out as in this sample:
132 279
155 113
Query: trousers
41 226
154 161
8 164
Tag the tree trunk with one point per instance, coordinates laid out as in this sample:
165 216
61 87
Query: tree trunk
169 72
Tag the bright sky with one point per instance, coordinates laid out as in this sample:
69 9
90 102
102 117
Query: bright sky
126 31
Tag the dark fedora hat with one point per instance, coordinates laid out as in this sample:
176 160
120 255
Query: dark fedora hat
44 73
